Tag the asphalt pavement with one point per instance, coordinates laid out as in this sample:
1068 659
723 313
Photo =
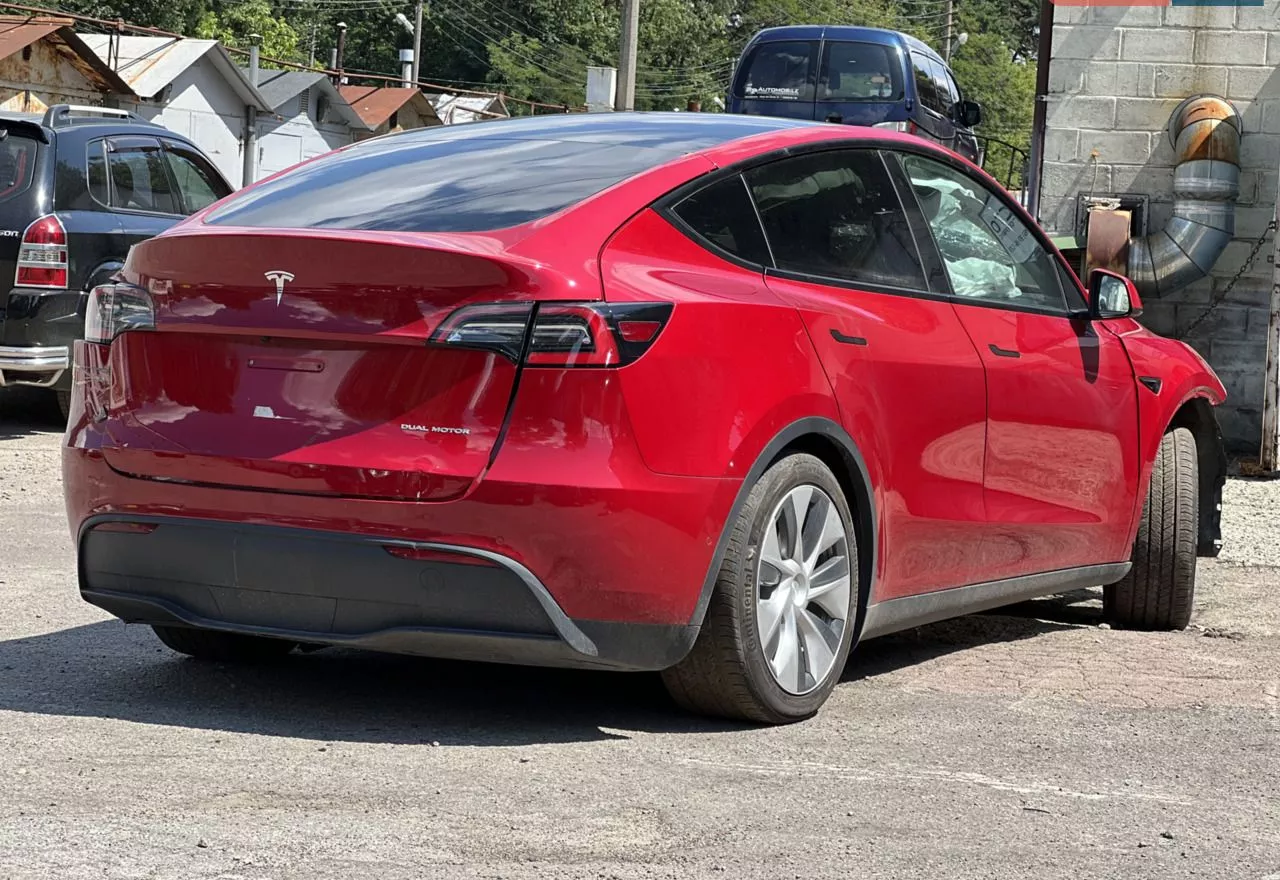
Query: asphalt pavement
1029 743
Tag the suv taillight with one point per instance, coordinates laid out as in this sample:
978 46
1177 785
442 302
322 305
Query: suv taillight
42 256
562 334
114 308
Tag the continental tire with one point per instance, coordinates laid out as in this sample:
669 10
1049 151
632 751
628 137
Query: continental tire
1158 592
207 644
780 622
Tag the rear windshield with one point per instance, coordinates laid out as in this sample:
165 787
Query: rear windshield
860 72
779 72
17 164
411 183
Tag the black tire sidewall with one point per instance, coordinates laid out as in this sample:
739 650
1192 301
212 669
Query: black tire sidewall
796 470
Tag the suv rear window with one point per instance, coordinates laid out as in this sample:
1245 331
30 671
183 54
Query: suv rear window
780 72
17 164
418 182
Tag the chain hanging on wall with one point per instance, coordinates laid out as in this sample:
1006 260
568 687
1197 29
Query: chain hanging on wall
1220 298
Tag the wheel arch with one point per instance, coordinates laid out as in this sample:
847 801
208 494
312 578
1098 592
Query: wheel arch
831 444
1196 414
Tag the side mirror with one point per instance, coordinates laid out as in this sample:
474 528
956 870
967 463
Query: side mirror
1112 296
969 113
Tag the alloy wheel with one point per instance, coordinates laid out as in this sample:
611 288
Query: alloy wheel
803 585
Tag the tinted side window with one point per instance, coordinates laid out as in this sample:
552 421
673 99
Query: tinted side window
199 185
722 215
990 254
780 72
17 164
139 181
96 165
860 72
836 214
926 85
946 87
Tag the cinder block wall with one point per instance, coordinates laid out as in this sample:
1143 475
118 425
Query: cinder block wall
1117 74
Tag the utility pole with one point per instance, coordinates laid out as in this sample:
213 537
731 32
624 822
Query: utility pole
417 42
340 52
250 173
626 98
1269 460
948 27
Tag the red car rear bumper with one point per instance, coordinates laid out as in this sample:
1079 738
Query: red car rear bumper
570 551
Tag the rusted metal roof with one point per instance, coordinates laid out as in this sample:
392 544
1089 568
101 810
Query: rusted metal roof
376 104
17 33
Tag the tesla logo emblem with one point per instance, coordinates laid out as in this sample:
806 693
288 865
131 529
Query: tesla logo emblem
281 279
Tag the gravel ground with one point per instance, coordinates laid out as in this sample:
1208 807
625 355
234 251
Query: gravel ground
1029 743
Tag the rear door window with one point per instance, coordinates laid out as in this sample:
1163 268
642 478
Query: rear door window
781 71
17 164
721 215
860 72
835 214
198 184
139 179
926 85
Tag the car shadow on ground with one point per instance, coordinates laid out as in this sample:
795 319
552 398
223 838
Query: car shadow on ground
107 670
1025 620
25 411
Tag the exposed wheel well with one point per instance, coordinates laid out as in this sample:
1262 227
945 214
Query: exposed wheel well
1197 416
856 492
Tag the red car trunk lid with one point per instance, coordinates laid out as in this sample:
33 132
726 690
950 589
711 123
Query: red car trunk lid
299 362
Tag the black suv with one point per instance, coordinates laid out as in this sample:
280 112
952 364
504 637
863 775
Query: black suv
78 188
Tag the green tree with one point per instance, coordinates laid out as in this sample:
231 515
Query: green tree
233 22
175 16
1005 86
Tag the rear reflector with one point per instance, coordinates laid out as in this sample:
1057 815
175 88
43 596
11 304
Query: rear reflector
42 255
639 331
562 334
126 527
427 554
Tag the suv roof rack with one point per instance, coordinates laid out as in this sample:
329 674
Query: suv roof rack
63 115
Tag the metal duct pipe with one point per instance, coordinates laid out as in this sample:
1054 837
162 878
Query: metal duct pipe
1205 131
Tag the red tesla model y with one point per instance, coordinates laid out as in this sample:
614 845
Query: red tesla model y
713 395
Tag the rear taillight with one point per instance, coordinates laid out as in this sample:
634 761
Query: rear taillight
562 334
907 127
42 256
115 308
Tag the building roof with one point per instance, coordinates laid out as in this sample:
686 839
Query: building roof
279 87
455 109
17 33
376 104
149 64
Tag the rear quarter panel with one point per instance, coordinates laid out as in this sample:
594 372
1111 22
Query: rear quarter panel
733 367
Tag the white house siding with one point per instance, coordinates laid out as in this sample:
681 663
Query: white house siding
296 136
203 106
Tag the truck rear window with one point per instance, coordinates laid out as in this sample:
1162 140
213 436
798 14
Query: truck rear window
17 163
782 71
422 181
